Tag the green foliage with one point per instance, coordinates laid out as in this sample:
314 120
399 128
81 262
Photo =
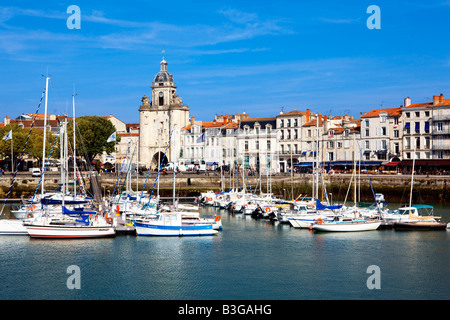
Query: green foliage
91 136
34 146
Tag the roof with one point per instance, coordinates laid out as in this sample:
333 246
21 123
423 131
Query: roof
213 124
445 102
392 112
292 113
262 121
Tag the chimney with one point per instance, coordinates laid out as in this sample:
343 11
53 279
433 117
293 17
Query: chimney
435 100
441 98
308 115
192 120
407 101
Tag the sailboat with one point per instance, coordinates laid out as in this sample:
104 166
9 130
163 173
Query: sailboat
345 223
415 221
174 222
73 224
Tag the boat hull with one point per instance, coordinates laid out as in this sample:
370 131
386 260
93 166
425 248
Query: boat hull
12 227
69 232
423 226
154 229
306 221
347 226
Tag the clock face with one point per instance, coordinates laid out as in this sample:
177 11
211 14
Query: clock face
161 94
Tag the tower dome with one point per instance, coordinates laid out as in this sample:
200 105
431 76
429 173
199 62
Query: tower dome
163 75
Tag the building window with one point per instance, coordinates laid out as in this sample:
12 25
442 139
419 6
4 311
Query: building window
367 123
407 114
257 145
396 120
330 156
383 131
161 98
396 135
246 145
417 127
367 132
268 145
367 144
439 126
396 148
417 114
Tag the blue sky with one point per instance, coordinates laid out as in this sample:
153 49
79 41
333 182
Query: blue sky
227 57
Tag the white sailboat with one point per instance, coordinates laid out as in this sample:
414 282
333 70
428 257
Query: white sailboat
345 223
68 223
409 217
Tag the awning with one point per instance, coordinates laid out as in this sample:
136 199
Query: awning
303 164
392 164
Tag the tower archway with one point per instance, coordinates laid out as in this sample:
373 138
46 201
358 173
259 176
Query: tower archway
159 156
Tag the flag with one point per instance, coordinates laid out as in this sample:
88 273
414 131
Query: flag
8 136
112 137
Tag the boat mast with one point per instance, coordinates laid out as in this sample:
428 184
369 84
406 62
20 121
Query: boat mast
74 150
45 135
354 173
412 179
173 161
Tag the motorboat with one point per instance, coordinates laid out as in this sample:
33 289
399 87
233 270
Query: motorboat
171 224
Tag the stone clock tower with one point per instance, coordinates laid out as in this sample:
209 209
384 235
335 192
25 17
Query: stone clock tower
157 119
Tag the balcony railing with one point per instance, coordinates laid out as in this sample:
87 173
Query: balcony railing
441 117
441 147
441 131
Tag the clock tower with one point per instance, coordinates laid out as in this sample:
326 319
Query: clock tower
158 118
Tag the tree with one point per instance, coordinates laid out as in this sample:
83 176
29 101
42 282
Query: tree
34 146
92 132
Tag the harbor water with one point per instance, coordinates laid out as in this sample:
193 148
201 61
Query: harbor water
248 260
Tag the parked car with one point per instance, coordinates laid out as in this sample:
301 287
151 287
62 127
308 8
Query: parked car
35 172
